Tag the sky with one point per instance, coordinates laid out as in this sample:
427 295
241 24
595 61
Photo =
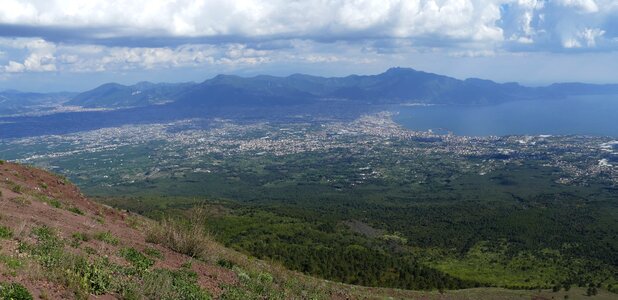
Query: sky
75 45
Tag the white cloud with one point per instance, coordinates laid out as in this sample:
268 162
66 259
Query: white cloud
40 55
462 19
251 32
585 6
587 37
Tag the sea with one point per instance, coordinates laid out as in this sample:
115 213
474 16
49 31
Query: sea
581 115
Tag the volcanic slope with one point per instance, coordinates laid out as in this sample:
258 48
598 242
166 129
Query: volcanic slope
57 244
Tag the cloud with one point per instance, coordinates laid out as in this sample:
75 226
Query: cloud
252 19
98 35
40 57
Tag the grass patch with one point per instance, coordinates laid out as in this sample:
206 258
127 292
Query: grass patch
187 238
11 262
138 260
107 237
21 201
5 232
154 253
168 284
14 291
254 285
49 250
78 237
75 210
16 188
55 203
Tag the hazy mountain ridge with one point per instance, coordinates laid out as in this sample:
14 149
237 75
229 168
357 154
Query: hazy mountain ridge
394 86
14 102
114 95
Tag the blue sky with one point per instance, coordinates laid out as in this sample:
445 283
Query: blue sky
51 45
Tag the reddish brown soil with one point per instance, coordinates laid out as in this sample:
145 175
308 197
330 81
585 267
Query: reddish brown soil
22 208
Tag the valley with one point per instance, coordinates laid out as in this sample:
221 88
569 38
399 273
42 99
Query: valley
279 190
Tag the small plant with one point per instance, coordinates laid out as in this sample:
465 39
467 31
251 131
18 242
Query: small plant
75 210
43 185
137 259
2 162
107 237
14 291
5 232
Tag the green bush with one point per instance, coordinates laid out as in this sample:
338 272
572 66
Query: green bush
5 232
14 291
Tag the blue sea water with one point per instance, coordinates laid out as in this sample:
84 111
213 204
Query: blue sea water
582 115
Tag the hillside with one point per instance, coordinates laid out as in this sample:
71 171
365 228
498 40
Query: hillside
113 95
57 244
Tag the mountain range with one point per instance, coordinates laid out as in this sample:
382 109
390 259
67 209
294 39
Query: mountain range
268 97
395 86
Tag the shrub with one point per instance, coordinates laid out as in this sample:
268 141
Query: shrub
14 291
